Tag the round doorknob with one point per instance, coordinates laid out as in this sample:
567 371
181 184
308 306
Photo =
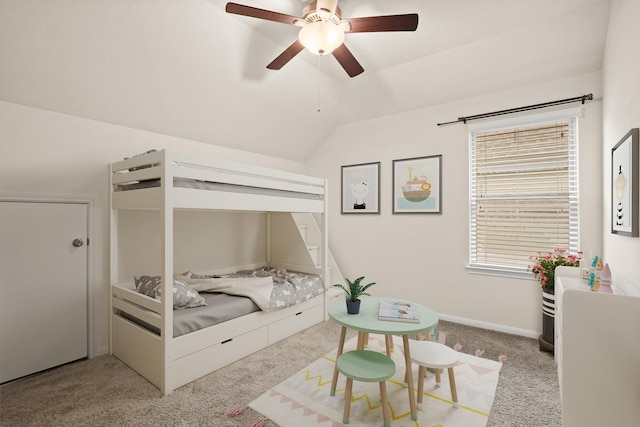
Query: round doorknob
78 242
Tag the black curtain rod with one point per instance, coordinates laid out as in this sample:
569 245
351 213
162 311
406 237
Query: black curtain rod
582 99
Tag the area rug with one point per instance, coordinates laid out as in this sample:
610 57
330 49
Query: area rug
304 400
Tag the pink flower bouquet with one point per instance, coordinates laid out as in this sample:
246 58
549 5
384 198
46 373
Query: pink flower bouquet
544 266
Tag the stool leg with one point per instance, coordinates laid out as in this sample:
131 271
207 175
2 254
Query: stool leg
438 379
409 377
454 392
421 373
347 401
385 404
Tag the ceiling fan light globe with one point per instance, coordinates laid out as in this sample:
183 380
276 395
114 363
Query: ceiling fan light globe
321 37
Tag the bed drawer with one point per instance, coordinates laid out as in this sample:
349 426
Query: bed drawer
207 360
293 324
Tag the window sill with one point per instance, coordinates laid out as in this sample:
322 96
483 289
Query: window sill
494 270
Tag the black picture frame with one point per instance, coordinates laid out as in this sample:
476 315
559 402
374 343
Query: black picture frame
360 188
625 192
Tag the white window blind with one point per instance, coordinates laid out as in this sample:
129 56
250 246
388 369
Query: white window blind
523 193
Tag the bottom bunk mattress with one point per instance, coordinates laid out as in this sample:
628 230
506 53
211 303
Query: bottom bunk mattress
219 308
288 289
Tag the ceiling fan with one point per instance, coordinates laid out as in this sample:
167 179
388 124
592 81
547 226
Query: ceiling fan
322 30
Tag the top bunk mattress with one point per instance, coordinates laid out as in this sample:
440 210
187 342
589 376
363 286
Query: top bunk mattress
160 179
216 186
139 183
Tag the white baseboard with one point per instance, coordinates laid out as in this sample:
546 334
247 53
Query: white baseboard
490 326
102 351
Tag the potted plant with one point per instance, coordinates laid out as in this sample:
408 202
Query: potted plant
354 292
543 269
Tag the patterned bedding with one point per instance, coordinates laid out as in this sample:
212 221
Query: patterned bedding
288 288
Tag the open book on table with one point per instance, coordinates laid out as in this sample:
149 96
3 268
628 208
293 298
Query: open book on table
398 312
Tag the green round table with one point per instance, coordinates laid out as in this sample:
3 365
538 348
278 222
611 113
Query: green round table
367 322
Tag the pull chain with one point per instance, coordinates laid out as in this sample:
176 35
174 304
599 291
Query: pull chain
319 71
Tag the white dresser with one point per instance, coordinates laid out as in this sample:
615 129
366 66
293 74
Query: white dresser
597 349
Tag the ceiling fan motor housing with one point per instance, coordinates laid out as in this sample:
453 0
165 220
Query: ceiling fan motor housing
311 13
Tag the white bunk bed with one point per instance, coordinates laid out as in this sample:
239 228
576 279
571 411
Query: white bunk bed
168 182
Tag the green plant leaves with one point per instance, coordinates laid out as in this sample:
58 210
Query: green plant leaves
355 289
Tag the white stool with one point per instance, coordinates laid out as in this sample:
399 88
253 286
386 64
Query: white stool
428 354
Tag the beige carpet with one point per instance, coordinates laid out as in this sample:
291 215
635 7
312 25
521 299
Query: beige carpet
105 392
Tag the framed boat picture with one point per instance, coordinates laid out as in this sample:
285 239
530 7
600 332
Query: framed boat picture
417 185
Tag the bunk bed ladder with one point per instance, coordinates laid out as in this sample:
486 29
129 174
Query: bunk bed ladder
310 231
296 244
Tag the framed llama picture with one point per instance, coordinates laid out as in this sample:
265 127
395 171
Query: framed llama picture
625 190
361 188
417 185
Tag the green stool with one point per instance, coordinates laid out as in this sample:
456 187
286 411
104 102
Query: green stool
367 366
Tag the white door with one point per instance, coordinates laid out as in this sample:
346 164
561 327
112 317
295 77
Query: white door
43 286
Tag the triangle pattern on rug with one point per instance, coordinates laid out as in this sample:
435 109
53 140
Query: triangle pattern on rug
304 398
480 370
307 413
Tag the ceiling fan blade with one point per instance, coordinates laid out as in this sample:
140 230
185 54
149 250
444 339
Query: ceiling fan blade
254 12
348 61
407 22
286 56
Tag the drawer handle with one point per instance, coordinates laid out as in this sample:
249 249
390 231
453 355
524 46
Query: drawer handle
297 314
229 340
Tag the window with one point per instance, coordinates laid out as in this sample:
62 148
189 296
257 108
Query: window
523 191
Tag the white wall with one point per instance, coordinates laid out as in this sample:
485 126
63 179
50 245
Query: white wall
203 241
423 256
621 112
43 152
414 256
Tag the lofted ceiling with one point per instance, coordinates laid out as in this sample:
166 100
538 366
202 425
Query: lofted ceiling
188 69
